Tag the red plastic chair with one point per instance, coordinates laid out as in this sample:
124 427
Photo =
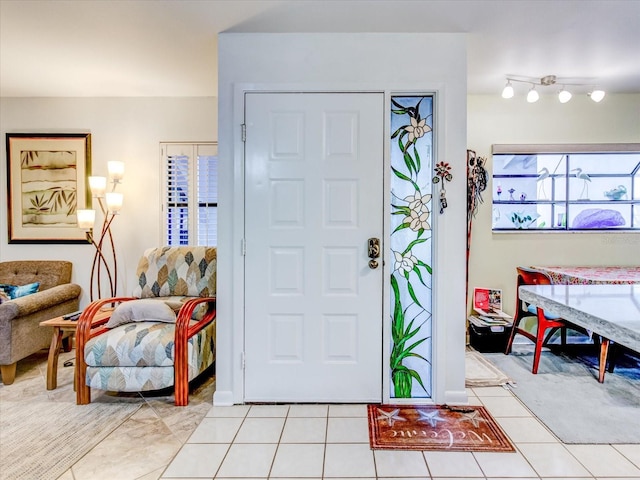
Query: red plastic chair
528 276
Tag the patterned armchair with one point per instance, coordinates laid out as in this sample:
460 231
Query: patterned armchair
162 336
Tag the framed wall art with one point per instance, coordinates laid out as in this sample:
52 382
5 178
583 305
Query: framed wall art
47 177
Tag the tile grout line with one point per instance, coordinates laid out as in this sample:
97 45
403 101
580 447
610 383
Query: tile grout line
246 414
275 454
559 442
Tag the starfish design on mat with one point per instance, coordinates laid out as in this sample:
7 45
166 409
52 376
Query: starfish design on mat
473 417
391 417
432 417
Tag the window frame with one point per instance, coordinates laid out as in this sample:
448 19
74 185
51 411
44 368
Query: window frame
502 204
192 202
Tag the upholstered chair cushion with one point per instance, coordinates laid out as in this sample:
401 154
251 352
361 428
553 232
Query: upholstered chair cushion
142 310
176 271
114 360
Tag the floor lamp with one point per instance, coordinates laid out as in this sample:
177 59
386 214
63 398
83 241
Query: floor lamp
105 260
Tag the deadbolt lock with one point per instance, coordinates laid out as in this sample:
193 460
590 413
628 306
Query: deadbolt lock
374 252
374 247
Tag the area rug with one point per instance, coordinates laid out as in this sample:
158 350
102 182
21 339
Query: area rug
430 427
567 397
42 440
479 372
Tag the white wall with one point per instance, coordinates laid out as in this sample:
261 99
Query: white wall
491 120
126 129
412 63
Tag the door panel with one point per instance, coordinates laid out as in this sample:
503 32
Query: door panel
313 312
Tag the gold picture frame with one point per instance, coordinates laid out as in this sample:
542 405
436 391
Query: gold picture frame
47 176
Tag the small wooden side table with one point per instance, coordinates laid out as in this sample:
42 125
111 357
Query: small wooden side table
60 325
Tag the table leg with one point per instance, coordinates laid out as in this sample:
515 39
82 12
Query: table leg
604 348
52 363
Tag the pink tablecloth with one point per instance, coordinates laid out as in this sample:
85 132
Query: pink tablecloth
592 275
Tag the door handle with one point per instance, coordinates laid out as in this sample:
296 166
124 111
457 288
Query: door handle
374 251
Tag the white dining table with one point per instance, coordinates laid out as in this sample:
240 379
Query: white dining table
610 311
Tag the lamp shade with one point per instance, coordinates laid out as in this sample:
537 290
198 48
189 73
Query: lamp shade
116 170
597 95
86 219
532 96
507 92
114 201
564 96
98 186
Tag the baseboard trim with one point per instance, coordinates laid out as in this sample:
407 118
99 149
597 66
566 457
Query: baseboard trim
222 398
456 397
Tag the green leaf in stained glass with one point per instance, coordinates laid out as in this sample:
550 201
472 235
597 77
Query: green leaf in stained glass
427 267
408 161
412 294
401 227
400 144
413 244
402 176
401 209
417 272
397 132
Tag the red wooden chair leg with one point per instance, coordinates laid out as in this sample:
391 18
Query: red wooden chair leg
604 347
514 329
614 350
536 354
540 339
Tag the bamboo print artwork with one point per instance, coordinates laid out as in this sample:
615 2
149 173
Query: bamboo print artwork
411 206
49 187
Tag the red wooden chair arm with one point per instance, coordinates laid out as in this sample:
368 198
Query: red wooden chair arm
183 320
183 332
90 327
87 328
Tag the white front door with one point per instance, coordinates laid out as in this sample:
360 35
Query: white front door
314 196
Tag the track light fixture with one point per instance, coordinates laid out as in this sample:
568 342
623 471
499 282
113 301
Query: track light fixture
564 95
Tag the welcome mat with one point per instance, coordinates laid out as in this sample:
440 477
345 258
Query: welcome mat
431 427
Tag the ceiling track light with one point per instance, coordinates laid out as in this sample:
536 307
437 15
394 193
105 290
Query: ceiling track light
564 95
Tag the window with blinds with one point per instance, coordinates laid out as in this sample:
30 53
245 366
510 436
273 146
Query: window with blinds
190 199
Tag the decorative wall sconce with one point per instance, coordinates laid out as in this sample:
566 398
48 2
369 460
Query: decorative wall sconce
110 204
564 95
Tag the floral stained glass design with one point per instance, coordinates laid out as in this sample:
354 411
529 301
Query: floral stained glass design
411 246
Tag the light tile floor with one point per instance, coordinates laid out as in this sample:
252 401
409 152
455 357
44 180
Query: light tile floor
310 442
331 441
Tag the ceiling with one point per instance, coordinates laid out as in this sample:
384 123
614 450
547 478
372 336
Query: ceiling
103 48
